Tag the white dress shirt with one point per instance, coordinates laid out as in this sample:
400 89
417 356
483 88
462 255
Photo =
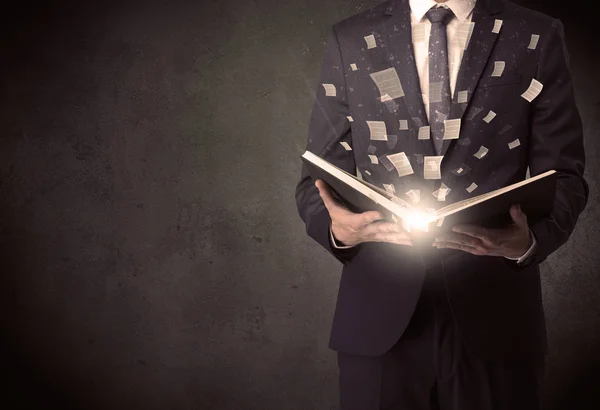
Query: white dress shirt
463 11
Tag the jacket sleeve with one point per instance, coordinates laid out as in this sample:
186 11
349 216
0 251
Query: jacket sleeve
328 127
556 142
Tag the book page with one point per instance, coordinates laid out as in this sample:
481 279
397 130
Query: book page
451 129
460 205
465 203
377 195
401 163
370 40
377 130
401 202
498 68
388 83
414 195
432 167
497 26
533 42
535 88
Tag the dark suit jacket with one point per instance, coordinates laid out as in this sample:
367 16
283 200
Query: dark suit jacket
496 303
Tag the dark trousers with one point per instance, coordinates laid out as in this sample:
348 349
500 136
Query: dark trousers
430 369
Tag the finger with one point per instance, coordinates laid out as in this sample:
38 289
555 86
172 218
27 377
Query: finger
397 238
475 250
380 228
518 216
459 239
371 216
330 202
386 232
356 222
475 231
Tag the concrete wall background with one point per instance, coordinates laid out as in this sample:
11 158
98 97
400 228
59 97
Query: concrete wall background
150 249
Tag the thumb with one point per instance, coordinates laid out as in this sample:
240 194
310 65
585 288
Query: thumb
371 216
518 216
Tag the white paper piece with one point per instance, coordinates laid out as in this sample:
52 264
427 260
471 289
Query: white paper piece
497 26
385 161
442 192
462 96
424 133
370 39
504 129
373 159
463 34
389 188
514 144
461 170
353 67
385 98
403 124
490 116
441 117
346 145
431 167
435 92
473 111
388 82
471 187
414 195
440 222
350 118
534 41
329 90
498 68
367 172
440 195
401 163
391 105
418 32
377 130
481 153
535 88
451 129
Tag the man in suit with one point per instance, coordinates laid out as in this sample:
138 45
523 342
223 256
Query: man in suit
458 324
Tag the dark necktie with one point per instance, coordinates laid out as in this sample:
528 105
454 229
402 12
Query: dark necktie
439 77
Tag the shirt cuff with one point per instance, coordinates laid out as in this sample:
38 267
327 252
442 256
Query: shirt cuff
529 251
334 243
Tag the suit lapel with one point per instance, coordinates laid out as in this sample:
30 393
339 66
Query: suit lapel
397 36
475 57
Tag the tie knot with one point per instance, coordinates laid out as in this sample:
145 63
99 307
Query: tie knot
439 15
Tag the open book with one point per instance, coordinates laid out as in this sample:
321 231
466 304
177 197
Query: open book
535 195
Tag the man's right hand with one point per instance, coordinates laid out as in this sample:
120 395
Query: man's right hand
351 228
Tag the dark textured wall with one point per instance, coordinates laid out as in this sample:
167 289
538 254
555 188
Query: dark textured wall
151 254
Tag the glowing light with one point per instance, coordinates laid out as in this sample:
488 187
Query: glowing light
418 220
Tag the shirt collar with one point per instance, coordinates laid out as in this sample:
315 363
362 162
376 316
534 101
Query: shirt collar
460 8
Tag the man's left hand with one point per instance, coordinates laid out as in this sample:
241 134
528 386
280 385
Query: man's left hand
510 242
